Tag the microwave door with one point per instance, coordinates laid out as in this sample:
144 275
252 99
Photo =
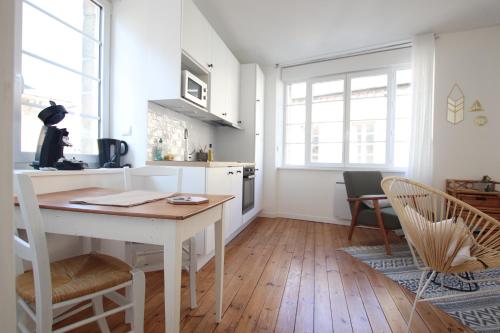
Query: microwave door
194 89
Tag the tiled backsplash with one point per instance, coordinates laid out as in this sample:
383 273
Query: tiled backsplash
169 126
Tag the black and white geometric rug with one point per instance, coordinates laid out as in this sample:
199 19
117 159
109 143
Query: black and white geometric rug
481 313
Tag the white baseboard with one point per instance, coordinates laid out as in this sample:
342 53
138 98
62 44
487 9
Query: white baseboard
268 214
312 218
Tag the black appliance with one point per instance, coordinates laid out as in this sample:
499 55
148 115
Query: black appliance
248 189
52 140
110 153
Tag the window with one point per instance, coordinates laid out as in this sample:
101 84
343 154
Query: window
63 59
355 119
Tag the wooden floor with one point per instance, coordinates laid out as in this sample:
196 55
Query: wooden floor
286 276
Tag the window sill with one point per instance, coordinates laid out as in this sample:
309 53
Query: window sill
340 169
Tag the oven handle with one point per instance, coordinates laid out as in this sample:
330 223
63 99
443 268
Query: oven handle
249 177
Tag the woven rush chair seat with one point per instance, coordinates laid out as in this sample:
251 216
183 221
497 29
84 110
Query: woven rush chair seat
77 276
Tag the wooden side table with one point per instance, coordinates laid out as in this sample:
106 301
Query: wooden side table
470 191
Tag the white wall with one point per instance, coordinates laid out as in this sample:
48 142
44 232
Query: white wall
7 289
145 60
471 59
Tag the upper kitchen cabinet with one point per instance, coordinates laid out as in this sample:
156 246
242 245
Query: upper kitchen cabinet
224 81
196 34
205 47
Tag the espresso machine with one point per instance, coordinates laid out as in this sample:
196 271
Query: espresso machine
52 141
110 153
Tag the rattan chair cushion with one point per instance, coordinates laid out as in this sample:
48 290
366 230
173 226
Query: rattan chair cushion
77 276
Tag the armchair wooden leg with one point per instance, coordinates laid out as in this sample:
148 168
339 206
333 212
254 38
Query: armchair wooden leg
380 222
354 219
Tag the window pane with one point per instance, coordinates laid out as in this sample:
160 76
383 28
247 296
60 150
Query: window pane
295 114
367 153
402 129
296 93
78 94
401 154
84 15
326 153
328 91
402 122
69 48
329 111
369 108
294 154
327 132
368 119
368 131
295 134
403 94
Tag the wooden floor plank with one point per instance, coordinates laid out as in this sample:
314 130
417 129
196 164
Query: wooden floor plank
287 312
304 320
288 276
322 311
341 320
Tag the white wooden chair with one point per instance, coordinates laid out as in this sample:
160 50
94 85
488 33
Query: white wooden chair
135 178
49 293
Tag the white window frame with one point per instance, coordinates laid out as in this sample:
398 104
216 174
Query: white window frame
104 70
391 110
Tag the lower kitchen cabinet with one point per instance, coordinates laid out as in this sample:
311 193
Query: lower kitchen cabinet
226 180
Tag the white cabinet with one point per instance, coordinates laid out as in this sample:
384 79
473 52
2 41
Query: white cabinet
233 89
202 43
228 180
247 145
218 77
224 81
195 34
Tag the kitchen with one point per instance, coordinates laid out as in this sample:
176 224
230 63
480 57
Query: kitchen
201 156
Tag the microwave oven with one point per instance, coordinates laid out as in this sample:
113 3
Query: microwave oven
194 89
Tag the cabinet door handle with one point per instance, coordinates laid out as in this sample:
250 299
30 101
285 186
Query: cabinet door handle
257 134
224 114
210 65
258 100
239 171
257 169
230 173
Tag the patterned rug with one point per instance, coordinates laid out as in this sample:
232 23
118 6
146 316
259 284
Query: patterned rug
481 313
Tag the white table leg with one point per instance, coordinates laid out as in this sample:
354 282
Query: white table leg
219 265
172 259
192 272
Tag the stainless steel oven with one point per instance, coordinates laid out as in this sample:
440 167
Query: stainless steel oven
248 189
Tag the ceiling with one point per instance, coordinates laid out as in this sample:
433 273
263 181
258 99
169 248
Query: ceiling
283 31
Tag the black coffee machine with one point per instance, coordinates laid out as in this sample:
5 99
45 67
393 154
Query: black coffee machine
110 152
52 140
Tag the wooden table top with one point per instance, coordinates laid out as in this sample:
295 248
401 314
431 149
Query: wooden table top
160 209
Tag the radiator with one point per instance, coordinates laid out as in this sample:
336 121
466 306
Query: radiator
340 206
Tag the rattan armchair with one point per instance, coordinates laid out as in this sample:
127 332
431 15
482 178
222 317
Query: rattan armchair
445 235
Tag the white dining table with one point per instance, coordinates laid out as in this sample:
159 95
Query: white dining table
158 223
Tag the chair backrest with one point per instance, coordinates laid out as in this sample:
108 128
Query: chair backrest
358 183
435 222
35 250
153 171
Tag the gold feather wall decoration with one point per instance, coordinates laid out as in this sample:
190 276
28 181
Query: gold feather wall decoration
456 102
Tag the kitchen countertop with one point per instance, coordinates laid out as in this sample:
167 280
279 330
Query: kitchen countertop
213 164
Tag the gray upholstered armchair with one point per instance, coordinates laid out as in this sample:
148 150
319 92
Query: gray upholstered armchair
364 190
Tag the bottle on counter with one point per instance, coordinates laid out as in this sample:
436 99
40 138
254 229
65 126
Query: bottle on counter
210 153
158 150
